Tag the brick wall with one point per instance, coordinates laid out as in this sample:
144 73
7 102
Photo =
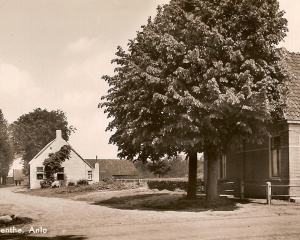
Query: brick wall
294 157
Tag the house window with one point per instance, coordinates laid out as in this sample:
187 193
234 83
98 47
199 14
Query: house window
90 175
61 174
275 156
222 167
39 173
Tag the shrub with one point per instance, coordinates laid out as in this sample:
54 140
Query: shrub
82 182
173 185
46 183
109 180
170 185
71 183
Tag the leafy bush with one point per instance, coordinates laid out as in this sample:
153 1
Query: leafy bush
167 185
111 186
46 183
173 185
109 180
71 183
82 182
160 168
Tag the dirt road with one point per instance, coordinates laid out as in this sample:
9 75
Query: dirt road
83 220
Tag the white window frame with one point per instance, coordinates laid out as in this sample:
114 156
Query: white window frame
61 173
90 175
40 171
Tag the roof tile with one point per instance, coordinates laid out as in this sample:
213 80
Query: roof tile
293 102
114 166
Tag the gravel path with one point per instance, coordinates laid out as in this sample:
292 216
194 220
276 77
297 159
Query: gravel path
69 217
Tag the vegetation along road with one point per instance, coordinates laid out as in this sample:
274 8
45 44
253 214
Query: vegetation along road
79 217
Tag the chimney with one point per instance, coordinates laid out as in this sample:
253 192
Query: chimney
97 173
58 134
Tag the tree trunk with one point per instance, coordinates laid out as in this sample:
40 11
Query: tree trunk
212 176
192 182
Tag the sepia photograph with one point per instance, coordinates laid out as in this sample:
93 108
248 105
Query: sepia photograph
149 119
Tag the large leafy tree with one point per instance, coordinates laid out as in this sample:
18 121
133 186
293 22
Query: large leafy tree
160 168
202 76
6 149
32 131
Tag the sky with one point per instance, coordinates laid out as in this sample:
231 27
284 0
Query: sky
53 54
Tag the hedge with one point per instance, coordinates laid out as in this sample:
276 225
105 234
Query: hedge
173 185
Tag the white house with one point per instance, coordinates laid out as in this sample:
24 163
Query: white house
73 169
76 167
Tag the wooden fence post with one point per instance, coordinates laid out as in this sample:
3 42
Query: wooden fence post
268 192
242 190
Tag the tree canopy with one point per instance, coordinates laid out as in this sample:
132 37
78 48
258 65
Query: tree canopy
202 76
160 168
6 148
32 131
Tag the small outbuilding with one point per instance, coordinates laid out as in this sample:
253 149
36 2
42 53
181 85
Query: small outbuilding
114 168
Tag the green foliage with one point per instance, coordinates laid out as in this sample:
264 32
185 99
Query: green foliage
71 183
143 171
32 131
6 148
173 185
53 162
82 182
109 180
160 167
202 76
46 183
178 167
168 185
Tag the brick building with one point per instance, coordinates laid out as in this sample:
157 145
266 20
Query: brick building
277 160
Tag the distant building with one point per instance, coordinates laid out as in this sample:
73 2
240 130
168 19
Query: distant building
77 168
16 174
114 168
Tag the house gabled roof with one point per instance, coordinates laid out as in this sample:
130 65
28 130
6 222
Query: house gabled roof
293 103
114 166
43 150
49 144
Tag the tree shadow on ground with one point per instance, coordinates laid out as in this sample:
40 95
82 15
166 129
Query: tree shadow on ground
31 237
169 202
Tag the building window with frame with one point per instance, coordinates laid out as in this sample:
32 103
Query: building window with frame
39 173
90 175
275 156
60 174
222 167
